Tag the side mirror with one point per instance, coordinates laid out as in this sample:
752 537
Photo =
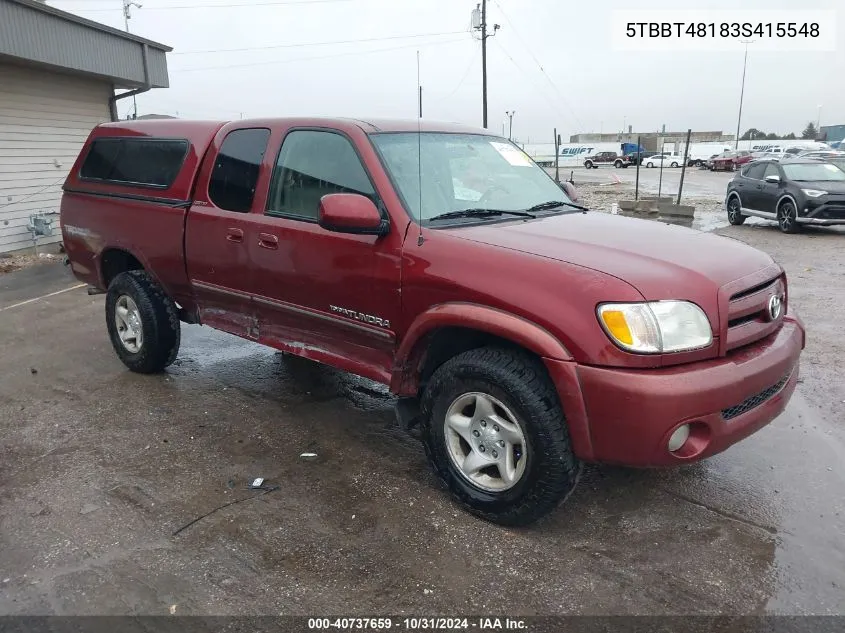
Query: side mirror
773 179
351 213
569 190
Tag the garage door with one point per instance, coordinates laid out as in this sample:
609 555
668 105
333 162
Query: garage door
45 118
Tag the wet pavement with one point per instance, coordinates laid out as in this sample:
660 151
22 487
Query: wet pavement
101 466
697 182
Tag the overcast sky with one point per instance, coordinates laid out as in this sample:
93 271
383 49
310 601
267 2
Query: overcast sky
584 85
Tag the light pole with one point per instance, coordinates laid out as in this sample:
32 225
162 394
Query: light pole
510 123
742 91
126 16
819 122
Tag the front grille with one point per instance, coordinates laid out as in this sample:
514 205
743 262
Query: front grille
754 401
748 318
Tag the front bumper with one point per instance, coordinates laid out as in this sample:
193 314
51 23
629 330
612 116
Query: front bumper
823 213
626 417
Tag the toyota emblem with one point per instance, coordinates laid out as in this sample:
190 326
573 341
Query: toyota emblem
775 307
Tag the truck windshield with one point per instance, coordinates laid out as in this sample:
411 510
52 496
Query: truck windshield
461 172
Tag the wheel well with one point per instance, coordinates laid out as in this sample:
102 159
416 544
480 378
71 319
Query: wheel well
784 199
115 261
448 342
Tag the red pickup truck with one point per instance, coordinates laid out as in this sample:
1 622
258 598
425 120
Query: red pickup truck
521 332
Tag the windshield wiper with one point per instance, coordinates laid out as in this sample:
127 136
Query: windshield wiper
480 213
551 204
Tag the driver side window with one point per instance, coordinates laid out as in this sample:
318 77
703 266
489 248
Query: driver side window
311 165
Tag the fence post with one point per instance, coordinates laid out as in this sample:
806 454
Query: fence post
660 183
639 160
684 166
557 151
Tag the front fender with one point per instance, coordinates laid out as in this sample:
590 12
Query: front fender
522 332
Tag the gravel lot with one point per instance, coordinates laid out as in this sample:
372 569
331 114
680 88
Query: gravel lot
101 467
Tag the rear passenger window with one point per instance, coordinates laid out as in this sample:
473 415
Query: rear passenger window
755 171
147 162
235 173
311 165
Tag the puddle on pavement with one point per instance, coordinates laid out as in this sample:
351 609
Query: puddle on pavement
264 372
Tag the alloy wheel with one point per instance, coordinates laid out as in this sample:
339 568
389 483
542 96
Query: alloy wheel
485 442
127 318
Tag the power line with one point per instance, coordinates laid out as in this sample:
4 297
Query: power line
214 6
303 59
539 65
463 77
527 76
371 39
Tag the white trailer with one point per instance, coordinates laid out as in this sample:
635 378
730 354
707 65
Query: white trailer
570 154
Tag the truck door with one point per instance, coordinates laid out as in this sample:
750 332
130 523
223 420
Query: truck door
219 228
332 296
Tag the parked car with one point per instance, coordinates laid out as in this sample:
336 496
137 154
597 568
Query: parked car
608 158
792 192
822 154
523 334
666 159
730 161
771 156
708 164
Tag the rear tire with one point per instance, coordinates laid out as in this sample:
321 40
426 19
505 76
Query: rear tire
502 400
143 322
674 164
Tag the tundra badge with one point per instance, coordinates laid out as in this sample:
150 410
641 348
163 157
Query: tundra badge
360 316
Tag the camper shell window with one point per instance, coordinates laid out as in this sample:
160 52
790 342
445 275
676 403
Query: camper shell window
133 161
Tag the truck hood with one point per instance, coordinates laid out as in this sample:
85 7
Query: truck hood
661 261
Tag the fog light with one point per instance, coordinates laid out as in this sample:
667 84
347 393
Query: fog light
678 438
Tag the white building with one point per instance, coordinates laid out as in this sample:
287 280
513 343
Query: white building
58 75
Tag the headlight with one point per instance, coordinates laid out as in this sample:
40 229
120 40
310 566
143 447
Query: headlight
656 327
814 193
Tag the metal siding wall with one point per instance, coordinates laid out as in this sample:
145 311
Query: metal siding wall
158 68
45 118
42 37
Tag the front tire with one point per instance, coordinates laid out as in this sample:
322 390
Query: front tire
142 322
735 216
674 164
618 164
588 164
787 217
496 436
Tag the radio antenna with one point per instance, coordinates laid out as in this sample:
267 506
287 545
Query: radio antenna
419 150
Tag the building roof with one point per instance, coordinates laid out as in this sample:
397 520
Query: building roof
34 33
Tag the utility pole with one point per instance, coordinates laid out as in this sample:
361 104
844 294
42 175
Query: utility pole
741 92
479 23
510 123
420 101
126 15
819 122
